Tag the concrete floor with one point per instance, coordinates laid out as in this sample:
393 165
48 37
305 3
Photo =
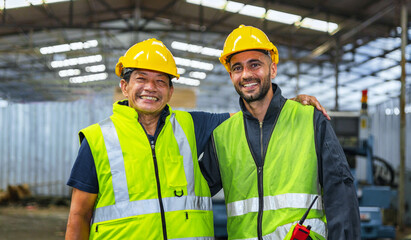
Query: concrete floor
33 223
49 223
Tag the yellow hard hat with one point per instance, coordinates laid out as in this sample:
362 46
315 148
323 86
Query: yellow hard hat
150 54
246 38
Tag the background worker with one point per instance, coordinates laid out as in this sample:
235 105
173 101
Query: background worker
275 156
137 175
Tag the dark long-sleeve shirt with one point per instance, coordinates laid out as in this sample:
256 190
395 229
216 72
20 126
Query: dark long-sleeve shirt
339 194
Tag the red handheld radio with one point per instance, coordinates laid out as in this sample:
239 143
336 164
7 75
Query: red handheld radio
301 232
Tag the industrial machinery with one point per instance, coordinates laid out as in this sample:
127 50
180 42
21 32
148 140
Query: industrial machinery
375 189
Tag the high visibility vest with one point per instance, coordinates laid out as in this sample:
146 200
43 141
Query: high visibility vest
270 199
148 191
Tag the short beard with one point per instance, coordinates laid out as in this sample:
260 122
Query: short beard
265 87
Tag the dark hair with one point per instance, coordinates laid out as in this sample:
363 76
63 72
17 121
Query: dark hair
128 71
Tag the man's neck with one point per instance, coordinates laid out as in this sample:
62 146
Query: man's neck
259 108
149 122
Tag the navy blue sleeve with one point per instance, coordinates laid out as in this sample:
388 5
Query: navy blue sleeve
204 124
339 193
83 174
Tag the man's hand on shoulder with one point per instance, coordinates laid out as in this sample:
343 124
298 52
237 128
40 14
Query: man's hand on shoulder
311 100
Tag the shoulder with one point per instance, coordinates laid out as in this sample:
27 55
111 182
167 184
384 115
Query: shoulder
298 106
233 121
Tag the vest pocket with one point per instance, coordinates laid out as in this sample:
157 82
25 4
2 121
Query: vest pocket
174 168
128 228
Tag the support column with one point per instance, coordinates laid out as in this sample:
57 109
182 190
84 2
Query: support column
401 187
337 72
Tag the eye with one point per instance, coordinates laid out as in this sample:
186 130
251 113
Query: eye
254 65
236 68
161 82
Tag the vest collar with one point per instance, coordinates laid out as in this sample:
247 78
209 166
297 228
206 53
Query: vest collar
276 104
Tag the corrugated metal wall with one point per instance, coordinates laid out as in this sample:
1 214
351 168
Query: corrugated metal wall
385 127
39 142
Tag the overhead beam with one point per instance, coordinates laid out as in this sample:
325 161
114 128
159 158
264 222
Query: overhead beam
331 43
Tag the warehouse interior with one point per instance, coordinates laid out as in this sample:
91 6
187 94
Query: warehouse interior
57 60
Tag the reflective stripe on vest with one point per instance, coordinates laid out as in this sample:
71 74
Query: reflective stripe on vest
185 151
128 209
288 200
123 207
318 226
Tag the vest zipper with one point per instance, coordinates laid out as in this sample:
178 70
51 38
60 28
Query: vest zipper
260 189
259 181
160 199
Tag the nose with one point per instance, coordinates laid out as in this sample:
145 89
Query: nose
150 85
246 74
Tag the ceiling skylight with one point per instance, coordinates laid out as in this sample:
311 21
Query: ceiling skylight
318 25
89 78
269 14
96 68
25 3
187 81
194 64
282 17
76 61
196 49
233 6
253 11
69 72
68 47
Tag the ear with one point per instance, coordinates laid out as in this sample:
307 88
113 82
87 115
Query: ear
231 77
171 93
273 70
123 86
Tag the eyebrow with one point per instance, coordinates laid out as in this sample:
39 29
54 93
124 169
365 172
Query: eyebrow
249 61
158 75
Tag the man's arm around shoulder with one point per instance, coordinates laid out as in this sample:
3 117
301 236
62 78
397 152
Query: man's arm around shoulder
339 193
81 211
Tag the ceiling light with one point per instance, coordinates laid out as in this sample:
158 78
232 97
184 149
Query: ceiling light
198 75
218 4
233 6
211 51
196 49
69 72
68 47
89 78
187 81
272 15
96 68
25 3
3 103
318 25
76 61
179 46
181 71
253 11
194 64
198 2
282 17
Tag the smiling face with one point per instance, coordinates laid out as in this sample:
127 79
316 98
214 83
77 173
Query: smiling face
147 91
251 73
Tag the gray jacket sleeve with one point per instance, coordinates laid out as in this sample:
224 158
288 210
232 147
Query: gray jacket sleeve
339 193
210 168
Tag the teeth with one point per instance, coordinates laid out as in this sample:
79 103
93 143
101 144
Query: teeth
249 84
149 98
